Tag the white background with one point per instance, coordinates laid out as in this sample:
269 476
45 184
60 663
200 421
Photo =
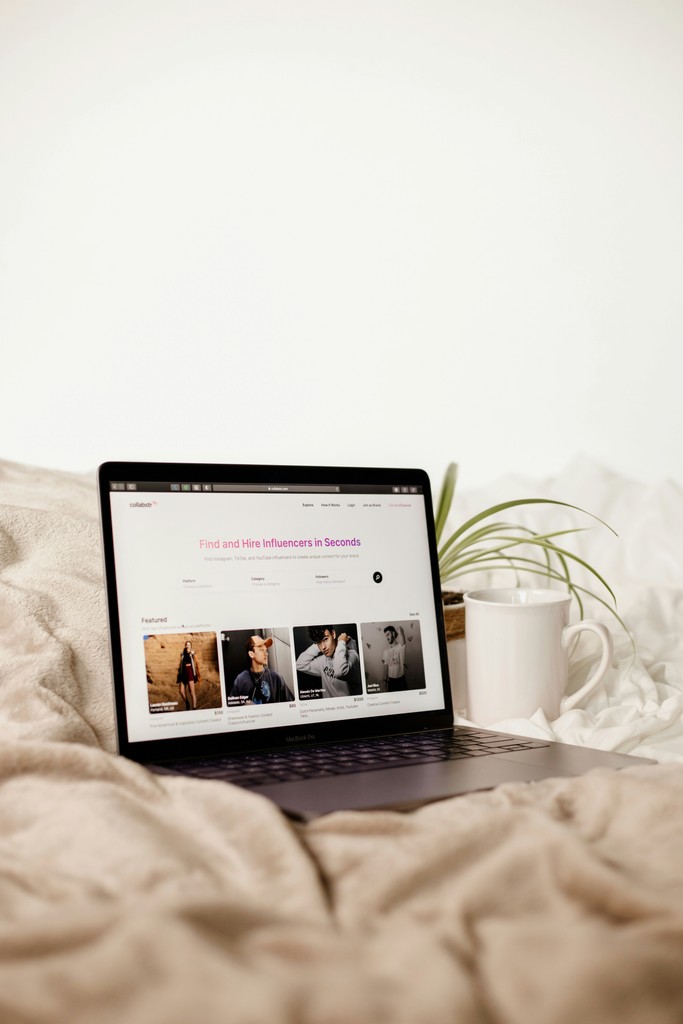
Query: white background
356 232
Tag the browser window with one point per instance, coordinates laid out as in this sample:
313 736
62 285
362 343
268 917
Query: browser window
256 606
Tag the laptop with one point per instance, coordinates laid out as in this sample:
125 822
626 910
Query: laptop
281 628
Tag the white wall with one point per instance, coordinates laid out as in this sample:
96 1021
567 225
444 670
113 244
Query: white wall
356 231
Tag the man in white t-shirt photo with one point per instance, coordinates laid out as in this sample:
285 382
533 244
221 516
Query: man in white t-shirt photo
394 659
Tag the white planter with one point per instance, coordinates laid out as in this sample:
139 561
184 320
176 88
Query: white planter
454 615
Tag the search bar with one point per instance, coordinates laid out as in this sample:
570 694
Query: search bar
279 488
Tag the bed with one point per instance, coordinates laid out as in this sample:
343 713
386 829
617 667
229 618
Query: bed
133 897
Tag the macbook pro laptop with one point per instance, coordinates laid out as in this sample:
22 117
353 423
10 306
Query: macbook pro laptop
281 627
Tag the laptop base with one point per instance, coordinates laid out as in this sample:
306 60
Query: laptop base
410 785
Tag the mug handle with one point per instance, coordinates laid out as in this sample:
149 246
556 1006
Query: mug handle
568 634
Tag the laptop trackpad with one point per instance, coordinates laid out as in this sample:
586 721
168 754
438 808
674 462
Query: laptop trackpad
398 788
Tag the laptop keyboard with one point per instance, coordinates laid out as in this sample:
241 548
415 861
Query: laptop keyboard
251 770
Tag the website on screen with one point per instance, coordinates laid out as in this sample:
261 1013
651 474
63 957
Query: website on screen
265 608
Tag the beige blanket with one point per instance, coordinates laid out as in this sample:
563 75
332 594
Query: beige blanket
130 897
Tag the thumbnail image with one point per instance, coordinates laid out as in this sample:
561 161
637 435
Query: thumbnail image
257 666
182 672
392 655
327 661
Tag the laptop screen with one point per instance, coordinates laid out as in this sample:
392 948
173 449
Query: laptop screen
248 600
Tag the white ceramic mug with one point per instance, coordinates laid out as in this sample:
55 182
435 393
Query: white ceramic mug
517 653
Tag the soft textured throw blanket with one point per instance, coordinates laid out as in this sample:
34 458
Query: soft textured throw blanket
130 897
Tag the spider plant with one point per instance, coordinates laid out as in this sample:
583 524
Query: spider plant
480 545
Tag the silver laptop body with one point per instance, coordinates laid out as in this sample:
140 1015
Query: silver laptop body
281 627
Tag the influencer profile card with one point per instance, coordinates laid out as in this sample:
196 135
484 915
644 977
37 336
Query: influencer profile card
327 660
182 672
392 656
257 667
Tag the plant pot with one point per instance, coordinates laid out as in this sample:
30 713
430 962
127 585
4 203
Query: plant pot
454 618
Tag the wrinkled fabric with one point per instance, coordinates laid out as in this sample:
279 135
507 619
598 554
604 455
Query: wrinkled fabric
130 896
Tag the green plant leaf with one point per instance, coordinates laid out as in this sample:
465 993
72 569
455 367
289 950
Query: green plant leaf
464 551
532 542
476 535
474 547
490 532
445 498
586 565
515 504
